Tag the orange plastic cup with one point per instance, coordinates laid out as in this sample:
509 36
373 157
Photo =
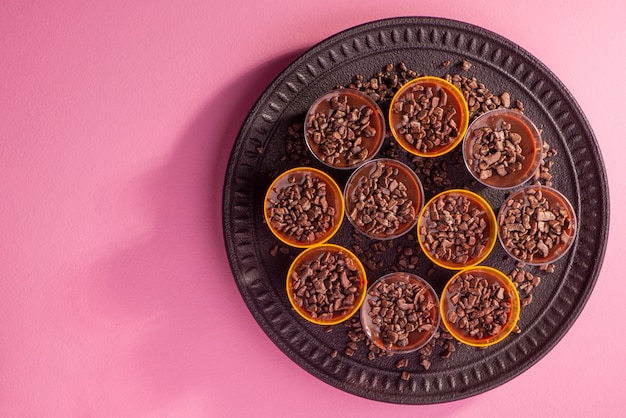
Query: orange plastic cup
439 229
307 283
459 299
317 214
409 120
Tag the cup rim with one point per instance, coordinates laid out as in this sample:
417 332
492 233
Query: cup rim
451 89
380 136
491 220
339 214
358 173
362 283
508 284
537 142
410 277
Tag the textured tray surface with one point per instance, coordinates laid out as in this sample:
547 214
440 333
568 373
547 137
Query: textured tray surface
423 43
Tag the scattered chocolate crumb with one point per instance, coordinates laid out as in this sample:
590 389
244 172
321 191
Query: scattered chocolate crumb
383 85
295 146
433 172
526 300
390 150
525 282
354 336
465 65
479 98
407 258
402 363
505 99
373 255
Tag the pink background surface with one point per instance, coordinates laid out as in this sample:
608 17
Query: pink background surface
116 123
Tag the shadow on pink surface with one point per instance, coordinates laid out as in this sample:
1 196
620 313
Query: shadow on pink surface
174 288
196 347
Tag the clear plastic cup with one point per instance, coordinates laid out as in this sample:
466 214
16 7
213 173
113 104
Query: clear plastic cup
383 198
413 298
502 148
537 225
344 128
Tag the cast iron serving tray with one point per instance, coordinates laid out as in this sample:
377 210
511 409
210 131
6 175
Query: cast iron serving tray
260 262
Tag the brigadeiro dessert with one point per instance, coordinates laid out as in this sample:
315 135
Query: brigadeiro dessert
326 284
480 306
400 312
502 148
383 198
303 207
537 225
344 128
428 116
457 229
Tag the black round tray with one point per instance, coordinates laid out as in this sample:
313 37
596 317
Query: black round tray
423 44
